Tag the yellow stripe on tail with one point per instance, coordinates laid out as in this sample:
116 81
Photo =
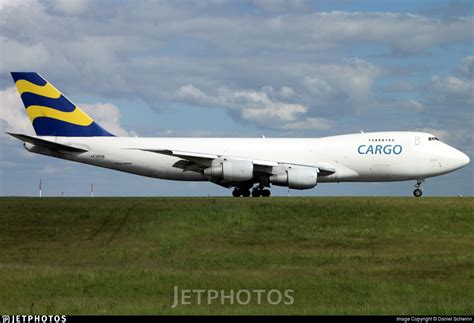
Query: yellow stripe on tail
46 90
77 117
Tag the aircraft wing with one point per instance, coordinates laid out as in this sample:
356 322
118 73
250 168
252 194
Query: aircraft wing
47 144
206 159
196 161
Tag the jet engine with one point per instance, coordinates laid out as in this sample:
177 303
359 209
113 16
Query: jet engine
296 177
231 170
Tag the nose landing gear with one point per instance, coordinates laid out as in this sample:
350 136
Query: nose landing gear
418 192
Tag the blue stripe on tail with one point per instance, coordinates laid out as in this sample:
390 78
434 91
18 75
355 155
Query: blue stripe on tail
30 77
53 127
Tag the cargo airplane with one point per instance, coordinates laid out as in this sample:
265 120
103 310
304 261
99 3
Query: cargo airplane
247 165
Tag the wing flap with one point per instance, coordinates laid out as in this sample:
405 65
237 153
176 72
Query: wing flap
182 154
208 157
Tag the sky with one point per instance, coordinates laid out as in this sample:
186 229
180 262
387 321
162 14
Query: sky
238 69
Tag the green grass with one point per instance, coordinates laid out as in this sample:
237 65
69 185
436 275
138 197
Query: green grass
339 255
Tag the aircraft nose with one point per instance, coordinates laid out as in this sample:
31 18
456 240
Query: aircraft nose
460 158
464 159
455 159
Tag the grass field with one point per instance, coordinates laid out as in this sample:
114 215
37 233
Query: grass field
339 255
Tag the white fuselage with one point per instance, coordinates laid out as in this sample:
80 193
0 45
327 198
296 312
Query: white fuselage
364 157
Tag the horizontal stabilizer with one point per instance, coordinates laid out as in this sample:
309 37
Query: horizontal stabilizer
46 143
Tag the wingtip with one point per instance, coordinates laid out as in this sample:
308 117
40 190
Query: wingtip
15 135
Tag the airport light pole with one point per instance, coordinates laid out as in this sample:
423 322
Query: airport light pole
40 189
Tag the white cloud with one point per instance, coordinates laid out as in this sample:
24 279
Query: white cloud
244 98
13 117
274 113
347 84
71 7
148 50
141 31
223 98
264 107
454 90
319 88
282 5
355 78
309 124
190 92
467 66
405 33
107 115
216 59
412 105
286 92
16 56
16 3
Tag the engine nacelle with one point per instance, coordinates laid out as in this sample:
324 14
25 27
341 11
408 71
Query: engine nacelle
300 178
231 170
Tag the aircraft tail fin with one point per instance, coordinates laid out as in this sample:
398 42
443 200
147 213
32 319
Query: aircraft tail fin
50 112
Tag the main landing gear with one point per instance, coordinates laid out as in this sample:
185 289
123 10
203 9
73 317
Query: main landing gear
418 192
257 191
260 191
244 192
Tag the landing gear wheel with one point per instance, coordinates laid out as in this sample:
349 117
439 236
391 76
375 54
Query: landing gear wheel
417 192
256 193
241 191
266 193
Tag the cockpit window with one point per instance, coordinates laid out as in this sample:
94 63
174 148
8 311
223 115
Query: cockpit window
432 138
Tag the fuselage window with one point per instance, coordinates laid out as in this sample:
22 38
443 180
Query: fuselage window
382 140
